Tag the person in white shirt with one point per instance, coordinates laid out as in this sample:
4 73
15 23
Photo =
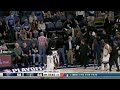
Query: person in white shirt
32 17
41 26
51 62
106 55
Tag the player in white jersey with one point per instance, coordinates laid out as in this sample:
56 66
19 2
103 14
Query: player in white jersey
106 55
52 61
56 58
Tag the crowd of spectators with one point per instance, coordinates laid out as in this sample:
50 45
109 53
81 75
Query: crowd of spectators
73 33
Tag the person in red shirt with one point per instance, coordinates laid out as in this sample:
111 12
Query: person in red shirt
42 43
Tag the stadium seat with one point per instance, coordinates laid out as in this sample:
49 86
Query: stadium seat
69 16
50 26
17 18
58 25
23 19
55 18
39 13
62 18
40 18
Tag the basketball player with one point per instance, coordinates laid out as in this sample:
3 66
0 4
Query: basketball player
52 61
106 55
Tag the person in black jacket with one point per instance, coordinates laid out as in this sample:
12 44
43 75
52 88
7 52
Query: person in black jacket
52 43
84 50
60 47
114 56
69 50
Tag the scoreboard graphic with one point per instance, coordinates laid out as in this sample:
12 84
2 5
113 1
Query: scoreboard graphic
57 73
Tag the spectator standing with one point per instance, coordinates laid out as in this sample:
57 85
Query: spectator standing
67 24
69 50
117 38
42 43
77 44
60 44
97 49
52 43
108 25
84 50
114 56
10 22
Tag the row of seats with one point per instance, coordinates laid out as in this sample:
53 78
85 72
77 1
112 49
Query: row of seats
51 26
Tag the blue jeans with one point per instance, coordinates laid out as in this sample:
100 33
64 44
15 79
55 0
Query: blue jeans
98 59
62 53
42 53
36 55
